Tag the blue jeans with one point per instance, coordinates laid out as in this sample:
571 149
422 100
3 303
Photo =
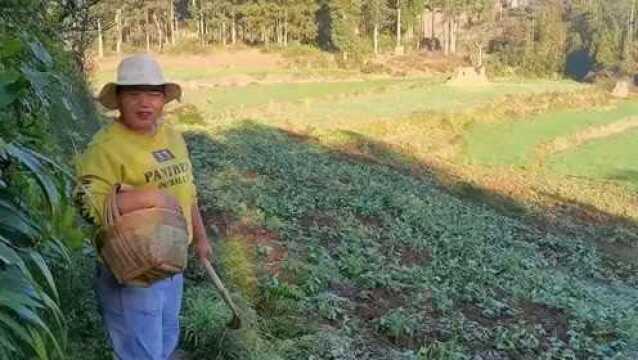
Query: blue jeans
142 323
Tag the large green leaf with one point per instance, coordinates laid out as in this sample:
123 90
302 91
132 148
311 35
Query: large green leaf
41 327
59 249
39 345
20 294
7 94
41 53
46 274
39 82
19 300
3 150
26 157
62 169
24 300
26 273
14 221
8 255
21 331
7 347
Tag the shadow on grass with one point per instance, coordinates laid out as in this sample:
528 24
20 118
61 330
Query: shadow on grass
628 176
376 243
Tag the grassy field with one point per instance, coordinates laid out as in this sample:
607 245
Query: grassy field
222 101
345 235
604 159
515 142
319 104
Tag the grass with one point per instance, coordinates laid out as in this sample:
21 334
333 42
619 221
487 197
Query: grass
217 101
393 101
514 143
608 159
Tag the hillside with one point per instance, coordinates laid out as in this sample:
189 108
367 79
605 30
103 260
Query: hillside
354 231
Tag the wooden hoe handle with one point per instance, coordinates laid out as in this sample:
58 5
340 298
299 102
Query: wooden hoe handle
235 323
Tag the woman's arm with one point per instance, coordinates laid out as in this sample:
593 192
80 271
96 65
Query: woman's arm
200 238
131 200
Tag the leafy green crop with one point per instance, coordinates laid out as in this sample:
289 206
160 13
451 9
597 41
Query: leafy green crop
378 252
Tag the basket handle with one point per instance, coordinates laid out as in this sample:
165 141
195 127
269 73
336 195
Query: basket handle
111 209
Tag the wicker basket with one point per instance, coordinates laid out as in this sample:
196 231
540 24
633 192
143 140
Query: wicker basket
145 245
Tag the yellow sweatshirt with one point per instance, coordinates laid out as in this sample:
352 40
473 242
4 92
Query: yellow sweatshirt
117 155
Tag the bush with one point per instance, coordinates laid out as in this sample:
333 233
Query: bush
45 113
306 56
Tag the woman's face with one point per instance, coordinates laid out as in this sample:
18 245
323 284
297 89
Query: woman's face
141 106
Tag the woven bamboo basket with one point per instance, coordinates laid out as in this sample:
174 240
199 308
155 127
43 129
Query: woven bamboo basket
143 246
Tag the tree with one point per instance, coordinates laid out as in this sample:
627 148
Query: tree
340 22
377 16
299 20
605 30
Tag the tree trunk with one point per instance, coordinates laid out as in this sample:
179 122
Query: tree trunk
398 23
630 31
160 32
532 31
172 21
453 34
199 27
166 28
100 40
376 38
118 31
202 27
286 28
233 29
425 25
632 20
176 29
224 33
420 33
433 24
263 35
148 33
278 31
446 37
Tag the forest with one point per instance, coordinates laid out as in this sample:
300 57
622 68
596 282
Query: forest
537 36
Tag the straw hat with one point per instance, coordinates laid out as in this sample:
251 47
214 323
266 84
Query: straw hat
138 70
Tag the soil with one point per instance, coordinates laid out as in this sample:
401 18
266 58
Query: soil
244 58
254 238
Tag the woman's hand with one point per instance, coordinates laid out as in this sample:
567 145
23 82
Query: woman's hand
169 202
202 245
203 248
132 200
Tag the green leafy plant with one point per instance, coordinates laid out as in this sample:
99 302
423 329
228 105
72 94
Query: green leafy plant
31 323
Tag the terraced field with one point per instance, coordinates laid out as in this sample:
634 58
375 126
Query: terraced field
321 104
611 158
390 218
595 143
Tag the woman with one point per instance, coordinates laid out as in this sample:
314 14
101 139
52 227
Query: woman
142 151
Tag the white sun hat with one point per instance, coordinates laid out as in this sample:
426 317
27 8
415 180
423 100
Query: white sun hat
138 70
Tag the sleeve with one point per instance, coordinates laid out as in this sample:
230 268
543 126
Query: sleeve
97 175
